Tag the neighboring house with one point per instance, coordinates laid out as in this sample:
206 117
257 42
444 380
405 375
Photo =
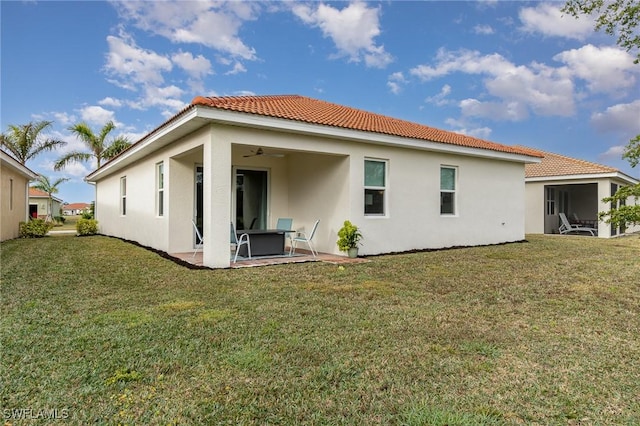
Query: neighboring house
75 209
39 204
407 186
15 180
560 184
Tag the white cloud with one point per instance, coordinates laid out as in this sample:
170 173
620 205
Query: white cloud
141 70
395 82
97 115
111 102
459 126
622 118
510 111
132 65
518 88
209 23
613 153
483 29
441 98
237 69
605 69
352 29
467 61
153 96
197 67
547 19
64 118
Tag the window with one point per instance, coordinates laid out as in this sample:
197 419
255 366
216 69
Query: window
160 189
375 182
447 190
123 195
551 201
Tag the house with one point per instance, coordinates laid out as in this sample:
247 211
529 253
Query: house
560 184
39 204
75 209
15 179
253 159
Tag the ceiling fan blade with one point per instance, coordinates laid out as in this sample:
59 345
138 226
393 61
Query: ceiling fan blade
255 153
260 153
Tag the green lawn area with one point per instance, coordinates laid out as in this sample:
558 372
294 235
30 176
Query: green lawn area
541 332
68 225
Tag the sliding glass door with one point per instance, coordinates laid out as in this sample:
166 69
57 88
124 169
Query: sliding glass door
251 199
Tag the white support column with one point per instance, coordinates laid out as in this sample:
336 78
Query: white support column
216 202
604 190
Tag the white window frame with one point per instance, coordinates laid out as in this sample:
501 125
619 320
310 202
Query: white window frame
385 188
550 196
453 191
123 196
160 198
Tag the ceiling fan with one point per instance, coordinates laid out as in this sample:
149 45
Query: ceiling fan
260 152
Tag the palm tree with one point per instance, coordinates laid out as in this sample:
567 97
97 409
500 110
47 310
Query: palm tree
45 185
97 144
25 142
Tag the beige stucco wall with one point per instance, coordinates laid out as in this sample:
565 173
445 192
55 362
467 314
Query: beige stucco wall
489 199
318 178
534 207
43 206
141 223
14 202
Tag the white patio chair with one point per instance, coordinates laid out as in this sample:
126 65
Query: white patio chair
301 237
286 224
566 226
199 240
243 240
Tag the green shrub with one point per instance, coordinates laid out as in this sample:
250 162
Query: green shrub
87 215
349 236
36 228
87 226
60 219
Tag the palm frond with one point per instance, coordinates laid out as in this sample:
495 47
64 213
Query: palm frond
25 142
72 157
84 133
118 145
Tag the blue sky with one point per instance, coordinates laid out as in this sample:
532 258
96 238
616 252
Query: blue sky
517 73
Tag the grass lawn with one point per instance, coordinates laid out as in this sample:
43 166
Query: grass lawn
542 332
68 225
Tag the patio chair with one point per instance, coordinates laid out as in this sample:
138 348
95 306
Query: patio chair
286 224
301 237
199 240
243 240
566 226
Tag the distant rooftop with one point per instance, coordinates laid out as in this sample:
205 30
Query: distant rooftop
561 165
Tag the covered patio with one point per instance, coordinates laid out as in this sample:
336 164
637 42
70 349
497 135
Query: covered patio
303 257
253 185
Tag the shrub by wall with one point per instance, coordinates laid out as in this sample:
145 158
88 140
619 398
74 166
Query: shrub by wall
36 228
87 226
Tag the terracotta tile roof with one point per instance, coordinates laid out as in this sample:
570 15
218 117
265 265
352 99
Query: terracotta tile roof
560 165
76 206
313 111
33 192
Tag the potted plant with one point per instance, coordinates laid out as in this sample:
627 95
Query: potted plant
348 238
